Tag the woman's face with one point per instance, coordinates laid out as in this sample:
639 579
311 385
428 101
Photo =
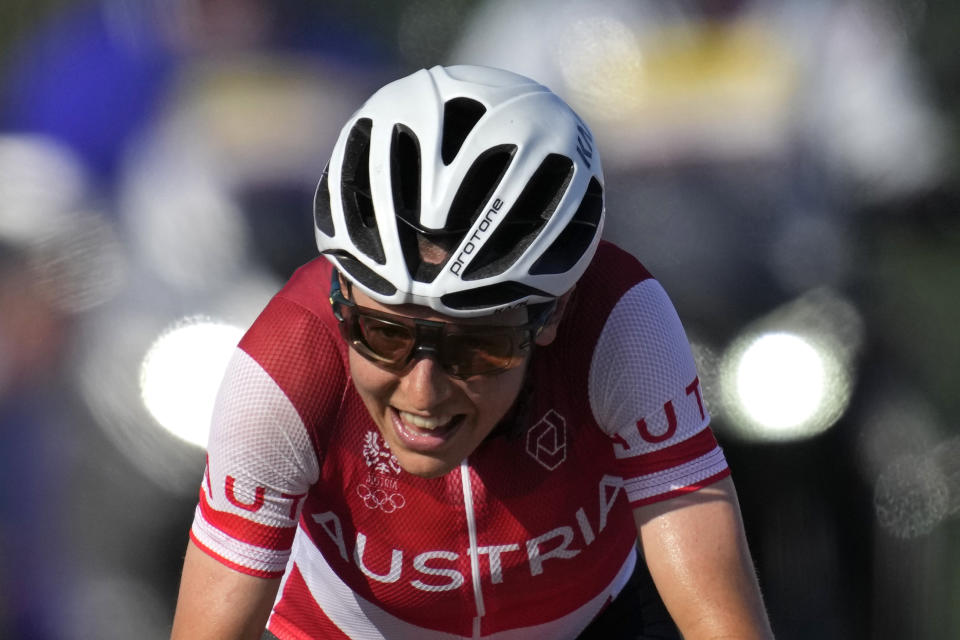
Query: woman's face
430 419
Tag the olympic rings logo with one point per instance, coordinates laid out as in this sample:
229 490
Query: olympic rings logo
380 499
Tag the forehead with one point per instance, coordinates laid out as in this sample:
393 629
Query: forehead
506 318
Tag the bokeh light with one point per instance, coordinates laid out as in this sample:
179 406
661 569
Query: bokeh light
132 365
790 375
782 386
181 373
41 183
780 380
897 421
911 496
106 372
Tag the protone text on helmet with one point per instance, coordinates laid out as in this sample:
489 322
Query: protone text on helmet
457 266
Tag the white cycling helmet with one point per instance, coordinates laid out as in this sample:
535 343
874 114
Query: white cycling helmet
465 189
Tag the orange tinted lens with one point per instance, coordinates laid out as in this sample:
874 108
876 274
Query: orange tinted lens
475 353
387 341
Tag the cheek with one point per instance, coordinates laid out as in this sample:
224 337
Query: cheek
372 383
494 396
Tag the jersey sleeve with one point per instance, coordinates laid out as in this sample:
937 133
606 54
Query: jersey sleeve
263 453
645 394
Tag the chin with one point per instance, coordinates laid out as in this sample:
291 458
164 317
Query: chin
426 467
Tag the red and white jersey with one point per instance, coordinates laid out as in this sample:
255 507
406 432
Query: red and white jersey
530 537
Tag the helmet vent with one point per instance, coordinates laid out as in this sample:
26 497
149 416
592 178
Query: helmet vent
478 186
526 218
405 173
425 253
321 206
460 116
359 272
491 296
420 255
358 208
575 239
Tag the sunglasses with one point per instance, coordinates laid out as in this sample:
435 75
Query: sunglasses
392 342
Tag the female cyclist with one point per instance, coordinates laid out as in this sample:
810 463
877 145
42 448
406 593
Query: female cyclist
470 417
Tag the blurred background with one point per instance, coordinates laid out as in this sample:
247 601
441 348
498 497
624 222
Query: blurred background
786 169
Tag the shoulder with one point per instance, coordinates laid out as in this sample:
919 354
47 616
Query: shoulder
637 320
641 360
299 312
295 339
612 273
309 287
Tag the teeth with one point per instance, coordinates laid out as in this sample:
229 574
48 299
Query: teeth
422 422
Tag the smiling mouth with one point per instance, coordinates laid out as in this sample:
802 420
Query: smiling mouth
429 423
425 432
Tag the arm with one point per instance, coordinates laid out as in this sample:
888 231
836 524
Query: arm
218 603
262 460
697 553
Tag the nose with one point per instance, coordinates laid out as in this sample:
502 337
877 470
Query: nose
425 385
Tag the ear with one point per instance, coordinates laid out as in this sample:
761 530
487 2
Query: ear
549 332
